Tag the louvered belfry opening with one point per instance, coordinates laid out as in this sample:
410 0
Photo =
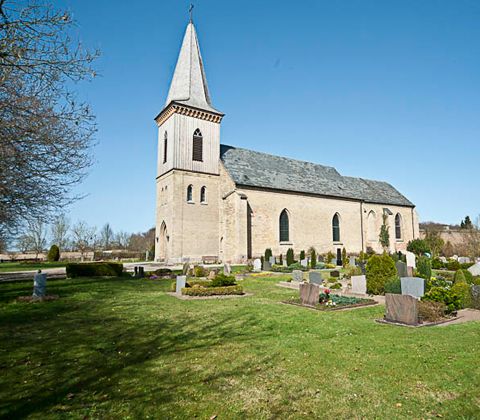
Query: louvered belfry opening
197 146
165 145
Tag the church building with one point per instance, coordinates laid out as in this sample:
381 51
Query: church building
229 203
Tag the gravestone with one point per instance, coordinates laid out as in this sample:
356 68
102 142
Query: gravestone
309 294
285 263
413 286
304 263
351 261
333 261
297 276
475 269
463 260
267 266
411 259
181 282
334 273
475 296
212 275
359 285
39 284
271 260
443 259
401 269
455 257
401 308
362 266
257 265
315 277
141 272
227 269
185 268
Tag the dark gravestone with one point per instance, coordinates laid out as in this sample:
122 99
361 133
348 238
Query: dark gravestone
475 296
401 308
315 277
267 266
39 284
362 267
141 272
339 257
309 294
401 269
335 273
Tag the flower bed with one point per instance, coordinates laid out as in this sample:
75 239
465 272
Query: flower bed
329 302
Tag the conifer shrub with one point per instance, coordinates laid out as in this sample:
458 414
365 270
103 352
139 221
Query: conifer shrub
462 290
313 258
344 257
302 255
453 265
393 285
468 276
329 257
268 254
379 270
221 280
418 247
290 257
281 259
424 268
459 277
53 253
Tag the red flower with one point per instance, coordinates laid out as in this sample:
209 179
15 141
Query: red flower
326 291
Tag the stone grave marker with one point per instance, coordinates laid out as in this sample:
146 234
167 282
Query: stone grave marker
309 294
315 277
211 275
351 261
335 273
443 259
463 260
475 269
476 296
271 260
413 286
227 269
181 282
333 261
401 269
267 266
411 263
304 263
359 285
39 284
285 263
257 265
186 267
297 276
401 308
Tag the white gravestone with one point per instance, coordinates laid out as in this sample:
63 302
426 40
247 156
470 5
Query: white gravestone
304 263
257 265
411 260
413 286
475 269
227 270
359 285
271 260
351 261
181 282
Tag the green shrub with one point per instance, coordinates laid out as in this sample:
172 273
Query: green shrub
462 290
437 264
393 285
336 286
468 276
424 268
96 269
163 272
212 291
329 257
53 253
221 280
352 271
380 269
418 247
440 294
459 277
280 269
453 265
297 266
313 258
268 254
302 255
290 258
362 257
466 265
344 257
431 311
201 283
199 271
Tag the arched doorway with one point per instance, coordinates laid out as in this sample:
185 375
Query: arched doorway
163 242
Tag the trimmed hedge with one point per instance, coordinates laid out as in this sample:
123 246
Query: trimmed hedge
212 291
95 269
53 253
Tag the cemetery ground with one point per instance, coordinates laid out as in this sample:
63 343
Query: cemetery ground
6 267
118 348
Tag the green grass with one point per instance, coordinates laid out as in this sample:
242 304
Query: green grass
26 266
122 348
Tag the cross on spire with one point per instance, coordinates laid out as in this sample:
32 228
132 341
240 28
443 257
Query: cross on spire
190 10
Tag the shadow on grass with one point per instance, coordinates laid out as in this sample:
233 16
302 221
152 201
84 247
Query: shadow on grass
86 348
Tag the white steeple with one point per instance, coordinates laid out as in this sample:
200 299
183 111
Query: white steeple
189 83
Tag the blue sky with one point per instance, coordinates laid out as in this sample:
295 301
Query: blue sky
386 90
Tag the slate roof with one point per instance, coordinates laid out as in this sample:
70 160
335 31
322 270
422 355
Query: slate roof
256 169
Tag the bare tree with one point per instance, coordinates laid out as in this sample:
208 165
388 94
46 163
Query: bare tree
106 236
142 241
45 132
122 238
35 237
59 231
83 237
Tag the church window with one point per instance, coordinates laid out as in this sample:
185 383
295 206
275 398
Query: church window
398 226
336 228
203 195
190 194
198 146
165 145
284 227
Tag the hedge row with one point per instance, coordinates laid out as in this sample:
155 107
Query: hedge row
212 291
95 269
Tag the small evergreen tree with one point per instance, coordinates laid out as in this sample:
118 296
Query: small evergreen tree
418 247
302 254
329 257
281 259
384 236
290 259
313 258
268 254
53 253
344 257
424 268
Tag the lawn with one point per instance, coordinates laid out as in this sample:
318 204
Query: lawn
123 348
26 266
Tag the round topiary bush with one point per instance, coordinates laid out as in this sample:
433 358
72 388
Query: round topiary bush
380 269
53 253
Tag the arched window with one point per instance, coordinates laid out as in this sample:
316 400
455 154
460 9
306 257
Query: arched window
284 227
190 193
165 145
336 228
398 226
197 146
203 195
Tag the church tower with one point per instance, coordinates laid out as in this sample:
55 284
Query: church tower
187 183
